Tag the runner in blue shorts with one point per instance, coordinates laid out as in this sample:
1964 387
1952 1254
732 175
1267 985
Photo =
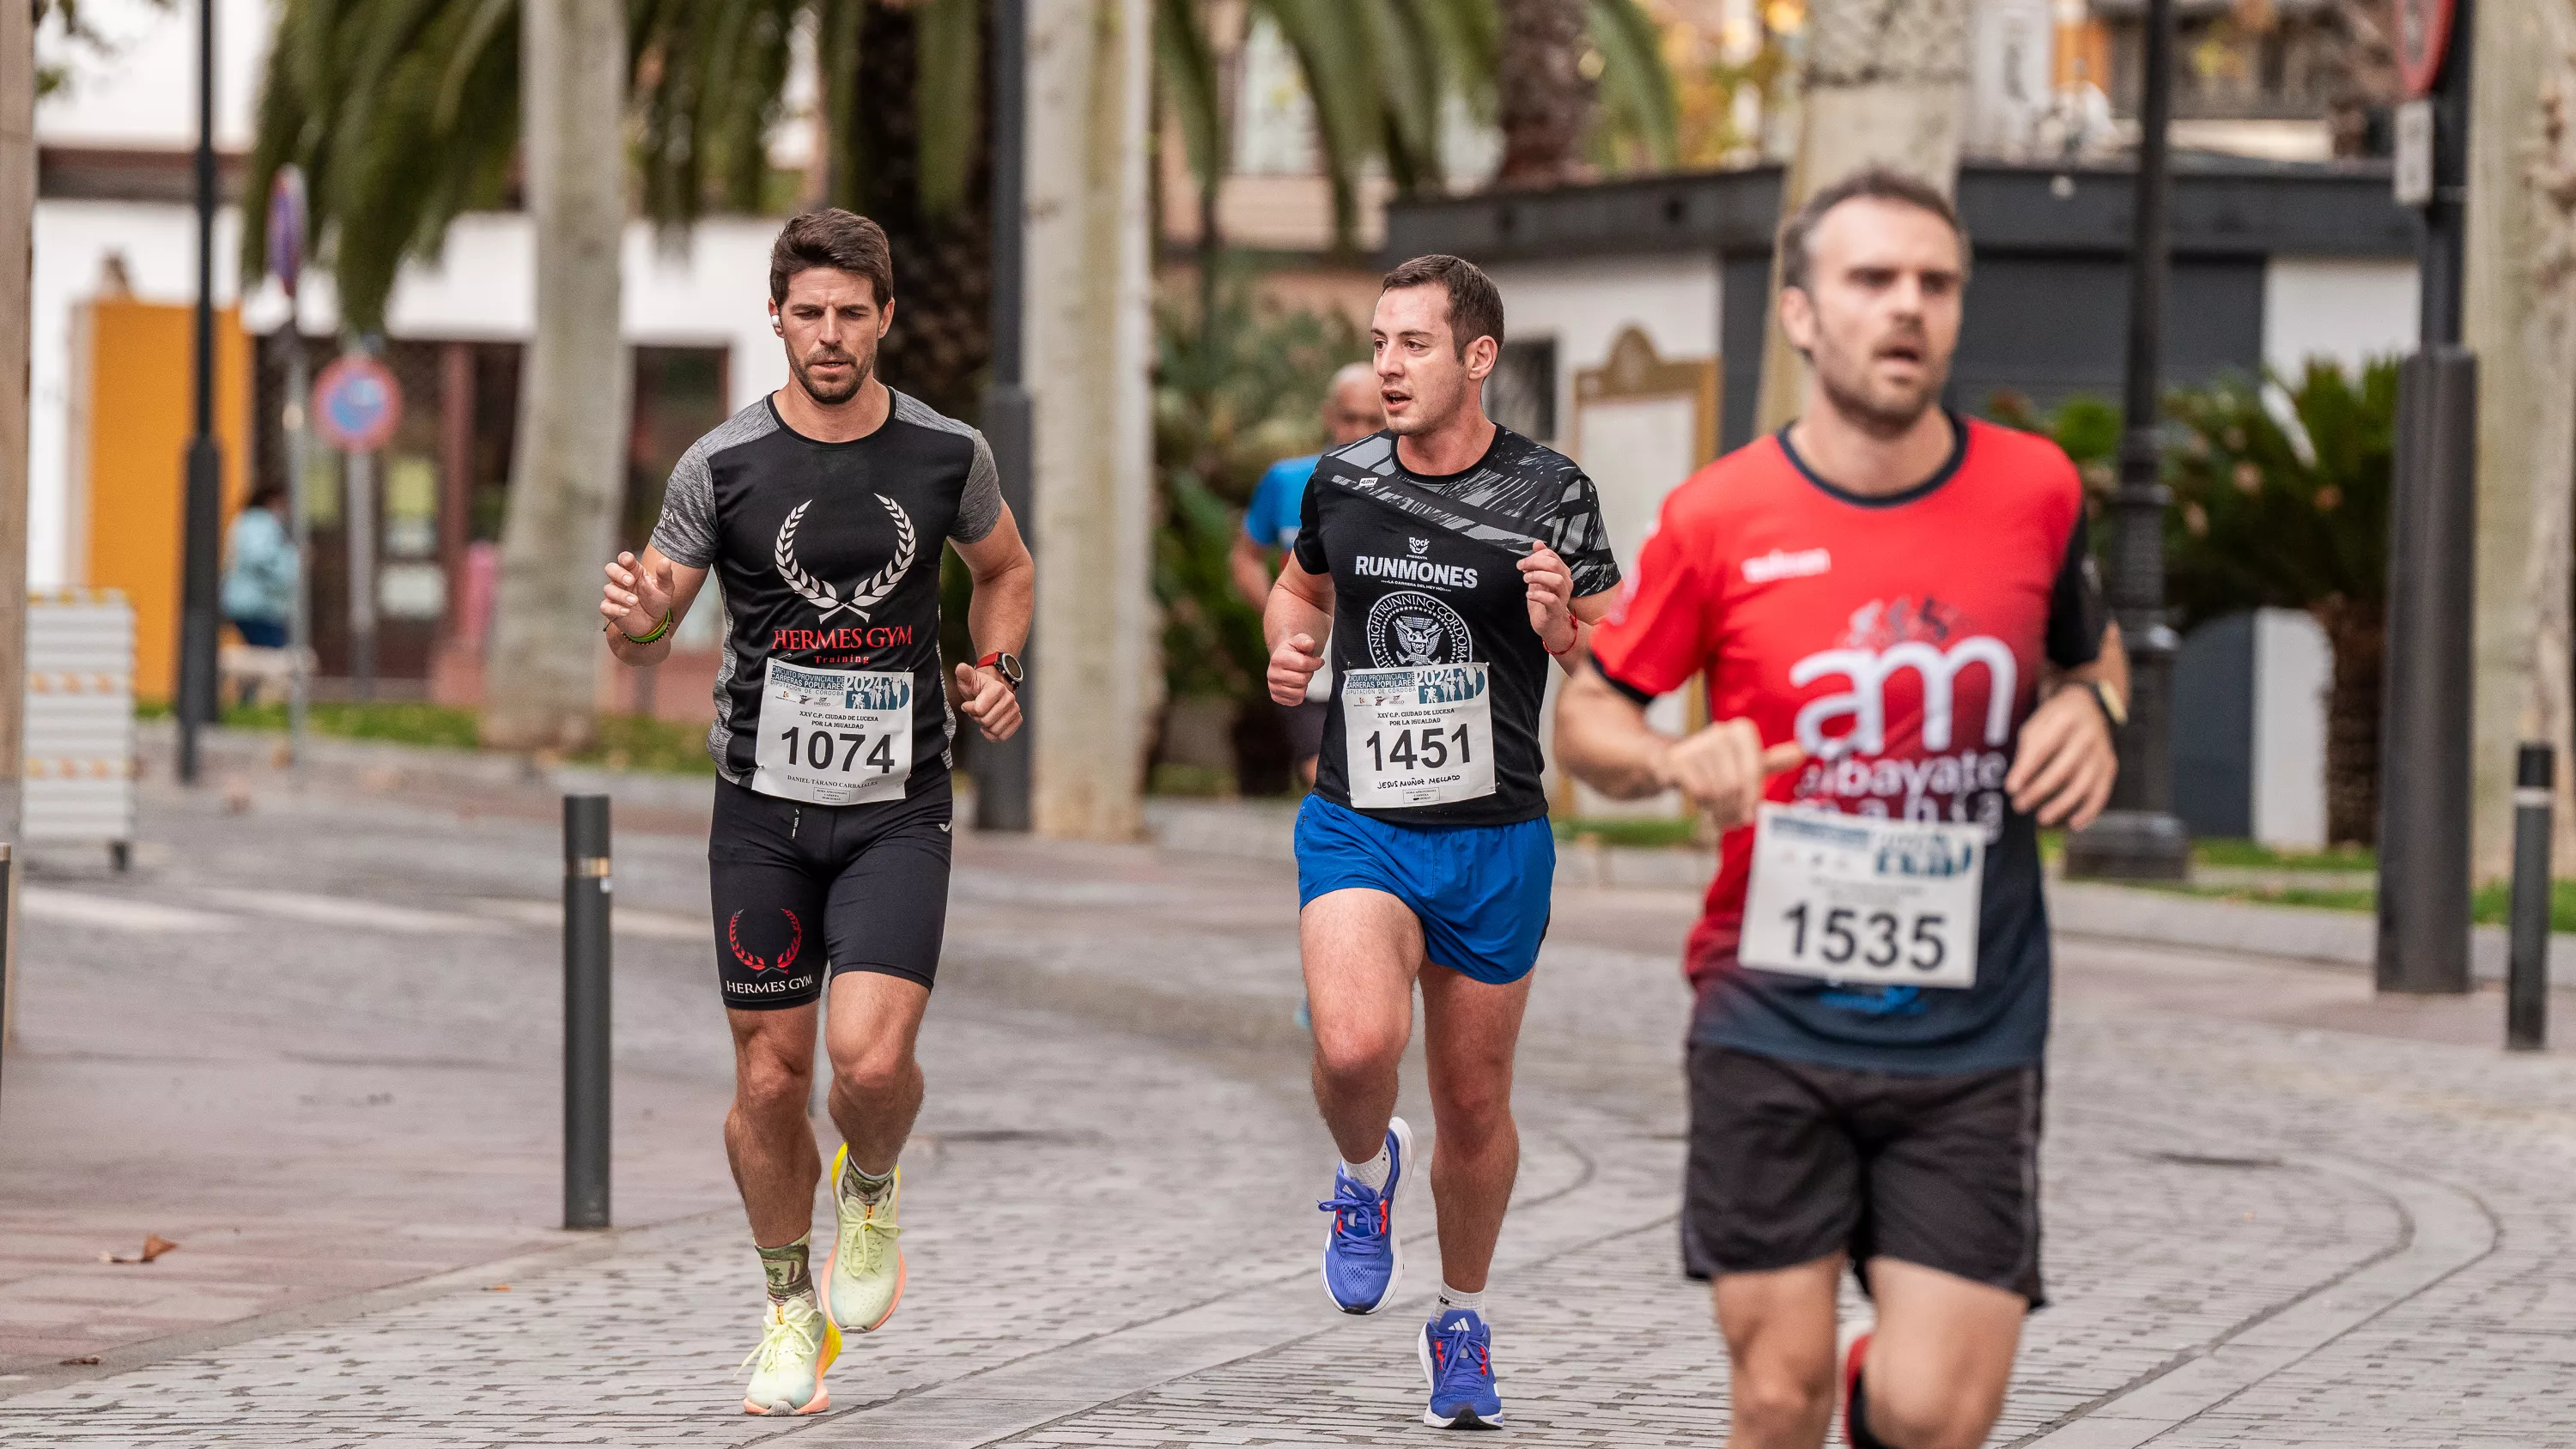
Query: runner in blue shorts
1447 559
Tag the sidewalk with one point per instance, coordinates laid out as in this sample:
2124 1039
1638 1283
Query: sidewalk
2280 1212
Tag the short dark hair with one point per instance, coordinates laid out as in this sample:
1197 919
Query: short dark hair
1475 304
832 237
1881 183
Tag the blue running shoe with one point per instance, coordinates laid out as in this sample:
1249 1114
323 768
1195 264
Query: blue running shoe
1458 1359
1362 1260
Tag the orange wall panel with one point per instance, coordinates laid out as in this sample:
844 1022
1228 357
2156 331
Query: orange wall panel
134 405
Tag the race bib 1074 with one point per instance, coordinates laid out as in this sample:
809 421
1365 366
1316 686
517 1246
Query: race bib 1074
1420 736
834 736
1858 900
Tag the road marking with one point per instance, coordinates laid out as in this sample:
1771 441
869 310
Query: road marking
345 911
119 913
2447 1231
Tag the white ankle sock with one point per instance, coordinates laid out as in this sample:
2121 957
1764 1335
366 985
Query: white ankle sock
1371 1174
1455 1298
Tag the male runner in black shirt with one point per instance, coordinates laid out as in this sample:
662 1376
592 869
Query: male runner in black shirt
821 509
1448 558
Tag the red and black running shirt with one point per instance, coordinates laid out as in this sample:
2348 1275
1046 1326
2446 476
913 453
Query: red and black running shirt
1900 641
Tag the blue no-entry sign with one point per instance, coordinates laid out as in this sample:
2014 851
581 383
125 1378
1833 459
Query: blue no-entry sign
356 403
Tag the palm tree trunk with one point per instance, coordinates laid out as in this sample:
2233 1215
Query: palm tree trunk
2357 633
942 336
1546 102
568 477
1884 83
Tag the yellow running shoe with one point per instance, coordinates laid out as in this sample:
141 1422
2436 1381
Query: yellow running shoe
797 1344
863 1279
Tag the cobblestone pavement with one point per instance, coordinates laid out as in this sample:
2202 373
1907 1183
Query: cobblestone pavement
2262 1230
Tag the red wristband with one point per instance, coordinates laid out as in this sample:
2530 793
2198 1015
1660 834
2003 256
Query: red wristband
1569 644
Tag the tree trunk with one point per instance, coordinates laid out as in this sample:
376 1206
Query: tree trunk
1546 101
569 474
17 240
2519 315
2357 632
1884 84
1090 348
942 340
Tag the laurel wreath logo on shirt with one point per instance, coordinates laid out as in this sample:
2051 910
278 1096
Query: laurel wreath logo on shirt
820 593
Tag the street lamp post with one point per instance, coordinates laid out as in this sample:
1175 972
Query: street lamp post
202 514
1002 768
2138 838
2426 730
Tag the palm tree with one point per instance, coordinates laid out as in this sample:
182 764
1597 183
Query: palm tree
1882 82
2289 509
1380 71
568 473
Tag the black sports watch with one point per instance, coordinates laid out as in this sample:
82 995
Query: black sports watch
2114 709
1006 665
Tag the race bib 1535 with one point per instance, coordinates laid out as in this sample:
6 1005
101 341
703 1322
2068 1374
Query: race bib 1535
1855 899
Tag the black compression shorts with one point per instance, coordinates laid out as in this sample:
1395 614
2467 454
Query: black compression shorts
863 887
1791 1162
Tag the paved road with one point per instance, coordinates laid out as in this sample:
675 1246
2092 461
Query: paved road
313 1042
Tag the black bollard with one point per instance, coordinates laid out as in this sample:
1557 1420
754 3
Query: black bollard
2526 989
586 960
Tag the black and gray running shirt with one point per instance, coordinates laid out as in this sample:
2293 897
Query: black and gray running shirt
1428 602
828 556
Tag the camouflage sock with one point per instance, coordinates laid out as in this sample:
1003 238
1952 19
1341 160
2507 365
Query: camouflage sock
785 1267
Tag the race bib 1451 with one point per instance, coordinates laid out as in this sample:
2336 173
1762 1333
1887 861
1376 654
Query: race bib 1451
1420 736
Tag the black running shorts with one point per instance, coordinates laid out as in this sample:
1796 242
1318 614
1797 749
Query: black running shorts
862 887
1791 1162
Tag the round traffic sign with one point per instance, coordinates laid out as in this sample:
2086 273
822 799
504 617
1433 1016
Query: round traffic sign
2423 36
356 403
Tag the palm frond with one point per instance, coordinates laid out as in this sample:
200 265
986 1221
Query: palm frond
948 99
1185 67
1636 93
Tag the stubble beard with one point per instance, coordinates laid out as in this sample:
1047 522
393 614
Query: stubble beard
865 368
1882 415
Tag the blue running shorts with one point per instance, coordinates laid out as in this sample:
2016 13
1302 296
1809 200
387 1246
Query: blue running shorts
1480 891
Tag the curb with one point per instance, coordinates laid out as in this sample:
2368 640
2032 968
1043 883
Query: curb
2085 909
380 767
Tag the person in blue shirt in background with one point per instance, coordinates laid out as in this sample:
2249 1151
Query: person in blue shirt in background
1352 411
259 571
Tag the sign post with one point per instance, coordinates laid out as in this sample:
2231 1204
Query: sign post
286 220
356 407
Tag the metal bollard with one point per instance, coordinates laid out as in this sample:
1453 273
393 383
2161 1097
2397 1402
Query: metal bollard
2526 991
586 974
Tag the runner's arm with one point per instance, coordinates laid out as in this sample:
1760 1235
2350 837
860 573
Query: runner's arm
1251 571
997 619
638 593
2066 761
1299 613
1602 737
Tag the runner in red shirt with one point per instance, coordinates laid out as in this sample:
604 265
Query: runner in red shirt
1908 666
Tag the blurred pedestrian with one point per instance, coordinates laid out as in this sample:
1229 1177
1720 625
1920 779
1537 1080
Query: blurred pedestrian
259 570
1352 411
